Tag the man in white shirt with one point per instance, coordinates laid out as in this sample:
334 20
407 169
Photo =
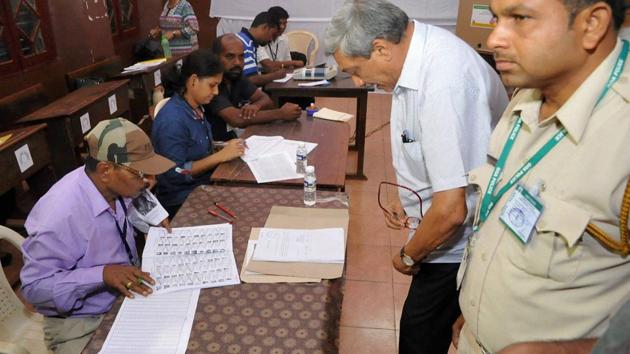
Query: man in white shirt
445 101
276 55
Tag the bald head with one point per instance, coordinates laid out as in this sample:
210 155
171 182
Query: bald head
230 50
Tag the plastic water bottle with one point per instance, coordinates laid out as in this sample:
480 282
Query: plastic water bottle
166 48
300 159
310 186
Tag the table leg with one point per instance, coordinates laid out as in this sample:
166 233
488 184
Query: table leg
360 135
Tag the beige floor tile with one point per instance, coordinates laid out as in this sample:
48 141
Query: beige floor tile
368 230
368 304
367 341
367 262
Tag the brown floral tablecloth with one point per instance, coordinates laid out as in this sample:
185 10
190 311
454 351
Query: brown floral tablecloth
254 318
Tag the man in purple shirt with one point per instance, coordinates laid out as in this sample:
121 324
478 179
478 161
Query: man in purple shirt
81 253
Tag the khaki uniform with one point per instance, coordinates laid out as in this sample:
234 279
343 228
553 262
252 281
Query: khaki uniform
562 284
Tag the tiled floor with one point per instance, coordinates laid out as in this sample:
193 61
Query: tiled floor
374 292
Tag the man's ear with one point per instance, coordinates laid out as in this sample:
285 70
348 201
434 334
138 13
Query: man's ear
382 48
594 22
104 171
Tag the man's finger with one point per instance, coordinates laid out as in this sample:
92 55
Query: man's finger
145 277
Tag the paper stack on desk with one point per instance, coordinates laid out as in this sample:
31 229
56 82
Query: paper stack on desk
317 250
143 65
272 158
329 114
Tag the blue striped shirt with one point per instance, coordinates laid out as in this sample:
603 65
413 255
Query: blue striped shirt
250 47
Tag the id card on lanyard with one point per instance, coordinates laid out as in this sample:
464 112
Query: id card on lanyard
490 199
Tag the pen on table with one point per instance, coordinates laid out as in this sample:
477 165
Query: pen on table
215 214
226 210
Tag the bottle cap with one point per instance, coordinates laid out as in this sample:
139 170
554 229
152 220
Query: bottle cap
310 169
302 144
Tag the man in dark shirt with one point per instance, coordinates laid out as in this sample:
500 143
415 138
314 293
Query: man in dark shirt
240 103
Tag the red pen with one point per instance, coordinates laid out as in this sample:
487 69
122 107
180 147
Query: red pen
215 214
226 210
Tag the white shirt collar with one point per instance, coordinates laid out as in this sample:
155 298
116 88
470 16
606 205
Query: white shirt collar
412 66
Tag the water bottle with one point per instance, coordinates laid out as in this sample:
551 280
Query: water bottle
166 48
300 159
310 186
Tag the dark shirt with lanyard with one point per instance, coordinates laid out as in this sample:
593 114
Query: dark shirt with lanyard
122 232
274 55
490 199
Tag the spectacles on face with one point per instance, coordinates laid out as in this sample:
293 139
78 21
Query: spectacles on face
136 173
410 222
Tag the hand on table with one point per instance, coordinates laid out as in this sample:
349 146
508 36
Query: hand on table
290 111
127 278
169 35
297 64
154 32
249 111
232 149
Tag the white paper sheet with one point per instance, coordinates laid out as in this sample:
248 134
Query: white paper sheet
284 79
156 324
260 145
290 146
329 114
111 100
300 245
190 257
277 166
147 211
314 83
143 65
85 122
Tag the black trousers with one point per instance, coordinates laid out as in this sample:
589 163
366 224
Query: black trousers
430 310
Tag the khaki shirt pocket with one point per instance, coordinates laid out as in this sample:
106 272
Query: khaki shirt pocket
479 178
554 251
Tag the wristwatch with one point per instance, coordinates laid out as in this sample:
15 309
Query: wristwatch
406 260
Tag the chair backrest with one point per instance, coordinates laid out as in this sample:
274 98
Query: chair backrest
20 104
20 329
94 73
301 41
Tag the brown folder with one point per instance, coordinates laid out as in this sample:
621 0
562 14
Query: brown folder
304 218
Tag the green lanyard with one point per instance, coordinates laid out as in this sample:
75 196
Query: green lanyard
490 200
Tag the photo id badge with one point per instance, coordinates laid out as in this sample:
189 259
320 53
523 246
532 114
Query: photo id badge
521 213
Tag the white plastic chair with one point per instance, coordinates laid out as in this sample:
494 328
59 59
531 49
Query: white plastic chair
300 41
21 331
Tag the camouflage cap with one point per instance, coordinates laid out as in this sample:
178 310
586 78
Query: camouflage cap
120 141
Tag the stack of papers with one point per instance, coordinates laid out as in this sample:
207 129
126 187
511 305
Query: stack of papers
190 258
314 83
300 245
272 158
143 65
330 114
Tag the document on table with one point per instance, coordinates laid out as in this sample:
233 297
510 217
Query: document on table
260 145
290 146
156 324
143 65
284 79
314 83
190 258
300 245
330 114
277 166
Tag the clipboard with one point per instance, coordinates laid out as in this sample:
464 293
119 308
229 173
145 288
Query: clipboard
304 218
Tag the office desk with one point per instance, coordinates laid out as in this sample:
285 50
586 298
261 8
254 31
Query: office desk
67 121
254 318
143 82
39 174
341 86
329 157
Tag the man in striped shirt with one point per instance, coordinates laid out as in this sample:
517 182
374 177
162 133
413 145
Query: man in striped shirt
261 32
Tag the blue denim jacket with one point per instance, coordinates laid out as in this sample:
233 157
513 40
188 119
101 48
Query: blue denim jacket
178 135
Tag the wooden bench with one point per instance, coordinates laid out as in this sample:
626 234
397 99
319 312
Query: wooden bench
96 72
20 104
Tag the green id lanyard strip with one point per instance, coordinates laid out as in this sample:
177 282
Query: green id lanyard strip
490 200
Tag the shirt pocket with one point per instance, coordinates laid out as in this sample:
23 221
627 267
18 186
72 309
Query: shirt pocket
412 158
555 250
479 178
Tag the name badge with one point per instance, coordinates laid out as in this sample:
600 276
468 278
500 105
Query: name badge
521 213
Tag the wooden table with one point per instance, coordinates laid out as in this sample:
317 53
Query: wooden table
254 318
329 157
143 82
68 123
29 140
341 86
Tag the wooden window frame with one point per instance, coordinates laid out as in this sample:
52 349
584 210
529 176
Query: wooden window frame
11 37
135 18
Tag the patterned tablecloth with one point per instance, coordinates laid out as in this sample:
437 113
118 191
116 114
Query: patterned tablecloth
254 318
